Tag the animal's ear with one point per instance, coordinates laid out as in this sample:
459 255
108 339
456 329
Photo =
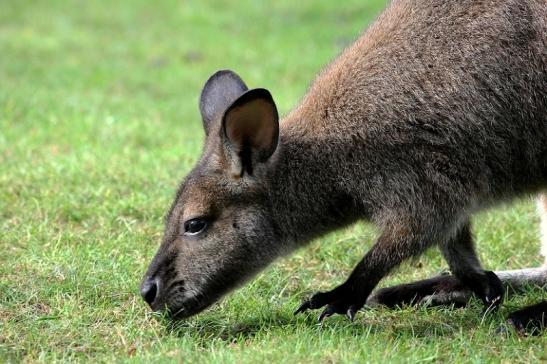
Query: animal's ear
219 92
250 130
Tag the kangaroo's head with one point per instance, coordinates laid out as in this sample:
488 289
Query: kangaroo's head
219 227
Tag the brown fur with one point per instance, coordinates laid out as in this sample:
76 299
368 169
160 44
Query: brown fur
437 111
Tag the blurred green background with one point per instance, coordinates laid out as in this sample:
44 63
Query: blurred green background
99 123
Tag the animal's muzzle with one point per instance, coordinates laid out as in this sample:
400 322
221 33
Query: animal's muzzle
150 290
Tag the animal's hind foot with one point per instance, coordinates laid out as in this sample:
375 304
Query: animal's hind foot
486 286
444 289
531 320
494 292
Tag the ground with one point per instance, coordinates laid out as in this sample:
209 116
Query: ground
99 123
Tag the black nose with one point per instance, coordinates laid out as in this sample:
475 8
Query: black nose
149 290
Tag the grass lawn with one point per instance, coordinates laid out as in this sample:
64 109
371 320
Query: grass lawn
99 123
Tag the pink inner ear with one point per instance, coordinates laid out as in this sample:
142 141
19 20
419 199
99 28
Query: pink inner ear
253 123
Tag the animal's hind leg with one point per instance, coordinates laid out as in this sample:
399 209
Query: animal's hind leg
446 289
460 254
468 276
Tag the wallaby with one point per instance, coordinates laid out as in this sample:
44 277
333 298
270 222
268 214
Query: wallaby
437 111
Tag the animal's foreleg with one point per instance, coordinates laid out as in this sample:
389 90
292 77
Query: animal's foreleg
390 250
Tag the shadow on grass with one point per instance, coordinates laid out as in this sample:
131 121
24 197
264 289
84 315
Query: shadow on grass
420 323
211 328
410 320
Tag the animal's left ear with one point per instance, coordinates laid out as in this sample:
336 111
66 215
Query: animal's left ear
250 128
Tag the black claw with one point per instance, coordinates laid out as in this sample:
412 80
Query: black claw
519 328
326 312
303 307
351 313
492 305
495 291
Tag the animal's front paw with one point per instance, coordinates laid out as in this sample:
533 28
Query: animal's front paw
340 300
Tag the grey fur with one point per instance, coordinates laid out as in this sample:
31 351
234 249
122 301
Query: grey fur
437 111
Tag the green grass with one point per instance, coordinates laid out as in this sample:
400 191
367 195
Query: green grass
98 124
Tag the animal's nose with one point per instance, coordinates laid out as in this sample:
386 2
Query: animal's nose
150 289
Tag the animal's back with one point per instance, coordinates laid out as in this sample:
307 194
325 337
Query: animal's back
456 90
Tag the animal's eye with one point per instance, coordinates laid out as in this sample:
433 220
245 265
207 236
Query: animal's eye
194 226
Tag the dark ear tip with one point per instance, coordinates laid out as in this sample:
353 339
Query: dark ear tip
254 94
261 93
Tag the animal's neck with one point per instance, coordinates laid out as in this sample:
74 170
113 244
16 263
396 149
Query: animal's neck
306 190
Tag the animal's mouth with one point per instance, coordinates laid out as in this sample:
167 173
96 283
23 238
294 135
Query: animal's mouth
184 307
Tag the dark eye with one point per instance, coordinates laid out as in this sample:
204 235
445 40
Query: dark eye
194 226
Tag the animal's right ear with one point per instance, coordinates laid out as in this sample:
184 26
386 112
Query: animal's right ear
219 92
